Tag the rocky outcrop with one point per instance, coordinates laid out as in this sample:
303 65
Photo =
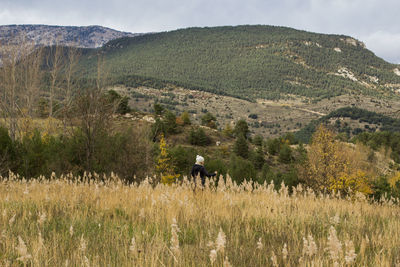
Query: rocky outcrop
85 37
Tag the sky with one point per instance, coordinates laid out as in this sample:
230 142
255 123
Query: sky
374 22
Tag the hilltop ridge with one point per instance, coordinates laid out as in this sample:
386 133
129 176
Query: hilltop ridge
80 36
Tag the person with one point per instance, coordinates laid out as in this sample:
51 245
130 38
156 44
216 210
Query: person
199 170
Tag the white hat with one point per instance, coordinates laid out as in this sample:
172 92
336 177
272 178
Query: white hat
199 159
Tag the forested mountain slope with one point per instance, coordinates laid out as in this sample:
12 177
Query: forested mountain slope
249 62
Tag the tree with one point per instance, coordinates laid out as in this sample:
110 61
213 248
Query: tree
183 158
258 159
258 140
158 109
198 137
55 64
241 128
93 111
209 120
186 118
157 129
20 78
285 153
164 165
332 166
273 146
228 131
170 124
324 163
241 147
241 169
121 102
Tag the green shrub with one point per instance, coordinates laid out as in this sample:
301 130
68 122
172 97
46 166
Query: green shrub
241 169
198 137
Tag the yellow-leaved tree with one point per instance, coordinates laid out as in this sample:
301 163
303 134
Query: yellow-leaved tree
334 166
164 167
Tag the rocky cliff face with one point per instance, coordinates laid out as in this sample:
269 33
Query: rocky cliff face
85 37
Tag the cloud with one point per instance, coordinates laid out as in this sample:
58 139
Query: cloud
384 44
371 21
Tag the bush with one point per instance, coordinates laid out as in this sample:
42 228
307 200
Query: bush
241 169
216 165
209 120
198 137
158 109
273 146
285 154
183 159
7 152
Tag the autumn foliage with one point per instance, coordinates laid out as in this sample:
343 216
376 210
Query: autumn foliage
334 166
164 165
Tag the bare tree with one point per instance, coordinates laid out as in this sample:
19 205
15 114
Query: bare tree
94 112
20 78
55 64
9 88
32 77
72 57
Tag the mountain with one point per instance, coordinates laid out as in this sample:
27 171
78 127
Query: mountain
85 37
250 62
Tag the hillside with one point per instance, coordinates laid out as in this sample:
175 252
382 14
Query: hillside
249 62
351 121
85 36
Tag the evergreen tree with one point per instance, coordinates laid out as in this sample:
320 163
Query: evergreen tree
241 147
285 153
241 169
156 129
198 137
170 124
258 140
228 131
158 109
241 128
259 158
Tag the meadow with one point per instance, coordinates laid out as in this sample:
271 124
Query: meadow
99 221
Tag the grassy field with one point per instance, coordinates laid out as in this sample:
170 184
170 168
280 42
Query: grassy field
58 222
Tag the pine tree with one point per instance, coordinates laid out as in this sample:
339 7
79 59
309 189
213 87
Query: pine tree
241 128
241 148
259 158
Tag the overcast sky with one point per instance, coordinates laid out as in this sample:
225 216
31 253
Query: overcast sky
375 22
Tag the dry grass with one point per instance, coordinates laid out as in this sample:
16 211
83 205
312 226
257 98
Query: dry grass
58 222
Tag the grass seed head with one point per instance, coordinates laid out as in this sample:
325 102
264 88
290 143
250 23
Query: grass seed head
284 252
260 244
213 256
220 241
334 245
23 251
